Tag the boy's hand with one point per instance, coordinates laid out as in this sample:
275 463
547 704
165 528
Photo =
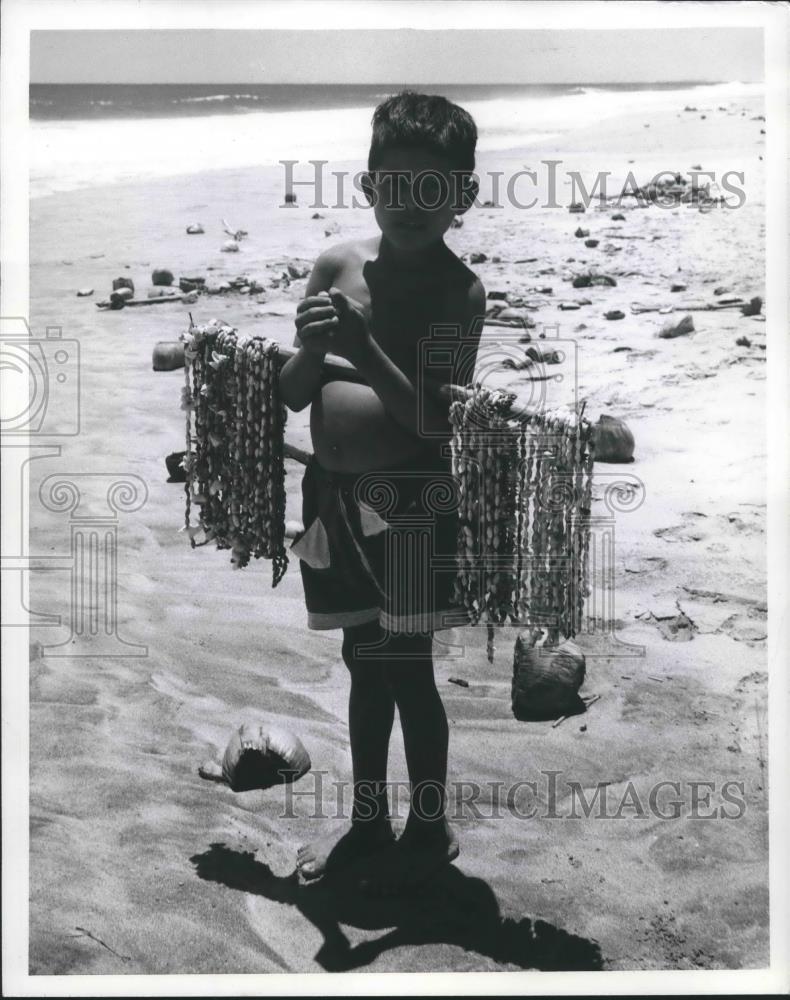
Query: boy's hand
316 321
351 337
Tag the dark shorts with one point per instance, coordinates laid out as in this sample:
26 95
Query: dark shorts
380 546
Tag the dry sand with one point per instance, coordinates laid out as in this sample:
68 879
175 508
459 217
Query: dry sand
139 866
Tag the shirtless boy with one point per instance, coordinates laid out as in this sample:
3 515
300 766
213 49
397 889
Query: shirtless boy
372 301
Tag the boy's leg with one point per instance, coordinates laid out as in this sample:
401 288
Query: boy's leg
371 711
427 843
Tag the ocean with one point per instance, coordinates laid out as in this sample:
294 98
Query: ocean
87 135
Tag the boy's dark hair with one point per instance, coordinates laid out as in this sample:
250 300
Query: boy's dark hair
427 121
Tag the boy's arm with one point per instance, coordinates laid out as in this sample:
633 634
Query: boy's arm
455 360
397 393
301 375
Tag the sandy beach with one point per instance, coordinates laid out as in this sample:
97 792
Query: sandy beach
139 866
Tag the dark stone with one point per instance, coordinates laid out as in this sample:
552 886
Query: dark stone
122 283
753 307
176 473
681 329
615 314
477 258
162 277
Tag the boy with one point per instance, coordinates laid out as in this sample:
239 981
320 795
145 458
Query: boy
372 302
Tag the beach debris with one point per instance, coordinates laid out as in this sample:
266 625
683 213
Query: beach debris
591 244
122 293
157 292
459 681
235 234
457 222
618 217
677 287
581 233
290 198
161 276
753 307
543 357
489 204
195 229
175 467
743 342
697 166
316 215
681 329
546 679
493 294
259 757
569 306
297 272
721 290
117 301
168 355
614 314
190 298
188 286
83 293
230 246
576 207
477 258
332 229
613 440
123 282
586 280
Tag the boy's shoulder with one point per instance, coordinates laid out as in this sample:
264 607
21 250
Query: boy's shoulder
348 253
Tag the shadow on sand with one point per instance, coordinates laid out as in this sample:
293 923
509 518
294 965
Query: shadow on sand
455 910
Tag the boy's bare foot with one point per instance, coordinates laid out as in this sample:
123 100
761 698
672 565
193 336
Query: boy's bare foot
330 853
415 858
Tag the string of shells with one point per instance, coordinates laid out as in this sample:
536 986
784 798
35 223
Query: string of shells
235 423
525 491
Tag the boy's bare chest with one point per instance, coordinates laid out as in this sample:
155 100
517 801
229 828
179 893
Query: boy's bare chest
400 313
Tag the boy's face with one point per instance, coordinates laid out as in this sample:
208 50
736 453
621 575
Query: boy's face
415 195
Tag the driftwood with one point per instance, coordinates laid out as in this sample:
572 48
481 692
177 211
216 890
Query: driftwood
158 300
